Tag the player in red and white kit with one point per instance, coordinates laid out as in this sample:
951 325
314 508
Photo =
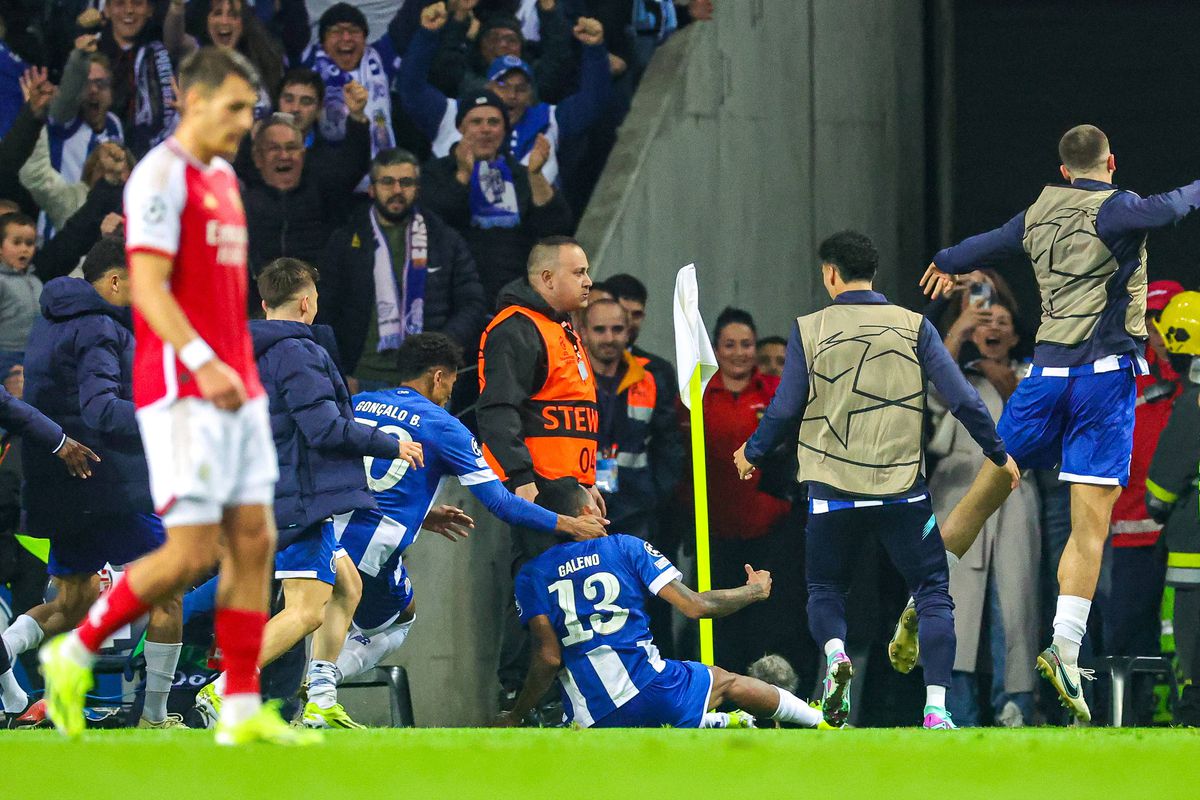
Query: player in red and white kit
200 405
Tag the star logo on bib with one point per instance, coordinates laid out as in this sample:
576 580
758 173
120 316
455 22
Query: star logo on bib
879 350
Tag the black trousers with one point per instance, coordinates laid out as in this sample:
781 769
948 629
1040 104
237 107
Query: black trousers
776 625
514 640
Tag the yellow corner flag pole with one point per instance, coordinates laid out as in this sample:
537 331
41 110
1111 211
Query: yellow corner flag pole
700 482
695 363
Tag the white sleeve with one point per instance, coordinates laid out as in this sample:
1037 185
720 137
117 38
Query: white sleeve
154 199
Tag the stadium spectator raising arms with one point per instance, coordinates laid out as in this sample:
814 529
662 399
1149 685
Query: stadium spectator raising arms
510 79
500 206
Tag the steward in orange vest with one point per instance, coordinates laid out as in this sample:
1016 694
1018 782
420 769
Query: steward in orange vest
537 409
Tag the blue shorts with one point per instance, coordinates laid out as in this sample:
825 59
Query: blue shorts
1083 425
384 597
90 541
313 555
678 697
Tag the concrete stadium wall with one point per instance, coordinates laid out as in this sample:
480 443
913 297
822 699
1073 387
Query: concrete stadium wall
755 136
751 138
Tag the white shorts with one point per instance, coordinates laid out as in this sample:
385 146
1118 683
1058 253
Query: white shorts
203 460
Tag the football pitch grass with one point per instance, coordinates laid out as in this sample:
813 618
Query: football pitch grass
638 764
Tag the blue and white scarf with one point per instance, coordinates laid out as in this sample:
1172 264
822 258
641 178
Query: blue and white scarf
535 120
493 195
374 78
73 142
400 310
154 117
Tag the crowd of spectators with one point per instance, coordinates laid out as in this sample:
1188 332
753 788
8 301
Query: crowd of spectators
416 166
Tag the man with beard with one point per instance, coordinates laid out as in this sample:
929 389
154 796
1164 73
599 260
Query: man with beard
293 203
636 429
396 270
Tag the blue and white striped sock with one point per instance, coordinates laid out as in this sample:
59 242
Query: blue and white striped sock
323 679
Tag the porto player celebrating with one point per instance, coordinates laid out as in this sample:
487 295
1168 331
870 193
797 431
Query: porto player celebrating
200 406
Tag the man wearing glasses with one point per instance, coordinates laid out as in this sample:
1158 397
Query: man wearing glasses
396 270
80 119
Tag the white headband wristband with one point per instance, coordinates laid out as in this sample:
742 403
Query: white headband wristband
195 354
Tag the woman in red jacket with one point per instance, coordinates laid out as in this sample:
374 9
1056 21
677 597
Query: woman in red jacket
746 525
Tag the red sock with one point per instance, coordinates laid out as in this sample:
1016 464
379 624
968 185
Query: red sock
119 607
239 637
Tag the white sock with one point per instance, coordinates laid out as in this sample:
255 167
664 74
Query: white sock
362 652
793 709
322 683
715 719
219 685
834 646
22 635
951 560
14 698
237 708
161 660
1070 624
935 697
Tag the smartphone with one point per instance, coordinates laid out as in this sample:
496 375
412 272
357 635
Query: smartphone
980 295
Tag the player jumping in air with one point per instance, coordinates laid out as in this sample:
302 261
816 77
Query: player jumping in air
585 606
1087 244
200 405
376 539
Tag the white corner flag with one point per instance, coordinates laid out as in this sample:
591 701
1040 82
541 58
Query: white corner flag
693 350
696 362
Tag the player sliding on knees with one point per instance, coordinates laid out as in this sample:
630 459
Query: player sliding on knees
1086 242
584 605
200 404
375 540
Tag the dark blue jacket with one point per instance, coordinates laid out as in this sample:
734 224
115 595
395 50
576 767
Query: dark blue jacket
319 444
640 424
1121 224
792 397
79 372
21 419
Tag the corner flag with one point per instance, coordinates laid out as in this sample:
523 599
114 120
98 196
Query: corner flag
696 364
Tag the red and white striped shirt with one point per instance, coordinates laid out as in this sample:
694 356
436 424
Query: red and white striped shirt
179 207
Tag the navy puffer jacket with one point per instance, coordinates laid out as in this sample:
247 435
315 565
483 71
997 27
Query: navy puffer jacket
79 372
320 446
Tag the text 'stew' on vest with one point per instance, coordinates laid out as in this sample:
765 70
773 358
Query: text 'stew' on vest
862 428
1073 266
560 422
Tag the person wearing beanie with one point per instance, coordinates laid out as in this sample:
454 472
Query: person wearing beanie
500 206
512 80
541 36
348 65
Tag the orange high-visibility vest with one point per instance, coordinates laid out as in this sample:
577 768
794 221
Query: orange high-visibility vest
560 421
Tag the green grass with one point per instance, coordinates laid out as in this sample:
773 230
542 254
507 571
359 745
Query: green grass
429 764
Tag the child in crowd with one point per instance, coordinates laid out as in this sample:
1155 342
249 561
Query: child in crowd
19 287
